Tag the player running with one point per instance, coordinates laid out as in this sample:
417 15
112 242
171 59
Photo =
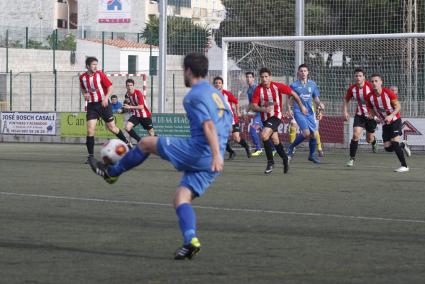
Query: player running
256 125
199 157
232 101
307 91
293 128
267 100
97 89
384 104
140 111
359 92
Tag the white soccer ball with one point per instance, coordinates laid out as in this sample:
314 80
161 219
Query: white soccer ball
113 150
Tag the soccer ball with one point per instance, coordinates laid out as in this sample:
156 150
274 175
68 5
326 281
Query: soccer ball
112 151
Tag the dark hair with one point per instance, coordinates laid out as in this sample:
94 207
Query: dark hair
218 78
376 75
250 73
265 70
358 70
197 63
129 81
302 66
114 97
90 60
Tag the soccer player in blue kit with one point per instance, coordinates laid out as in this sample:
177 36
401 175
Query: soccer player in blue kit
307 91
199 157
256 124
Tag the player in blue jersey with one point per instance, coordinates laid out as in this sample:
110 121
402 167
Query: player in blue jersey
256 123
307 91
199 157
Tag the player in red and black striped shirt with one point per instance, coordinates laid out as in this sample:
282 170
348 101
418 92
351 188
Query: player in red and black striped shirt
136 103
267 100
384 104
231 100
97 89
359 92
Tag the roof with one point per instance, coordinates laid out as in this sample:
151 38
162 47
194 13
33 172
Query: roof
121 43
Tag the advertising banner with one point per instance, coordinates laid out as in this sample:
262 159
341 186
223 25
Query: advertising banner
74 125
28 123
114 11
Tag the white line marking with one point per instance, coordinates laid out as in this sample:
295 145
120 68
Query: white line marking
216 208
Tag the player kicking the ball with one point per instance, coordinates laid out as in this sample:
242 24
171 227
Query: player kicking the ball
384 104
199 157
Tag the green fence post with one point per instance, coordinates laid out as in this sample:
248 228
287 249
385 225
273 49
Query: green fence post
54 49
26 37
103 51
56 88
174 93
30 91
10 90
7 51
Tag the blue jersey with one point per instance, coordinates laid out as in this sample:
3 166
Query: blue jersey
116 107
250 92
306 93
203 103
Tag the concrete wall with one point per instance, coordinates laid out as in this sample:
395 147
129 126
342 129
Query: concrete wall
25 13
37 60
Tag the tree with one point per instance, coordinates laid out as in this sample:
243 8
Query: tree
183 36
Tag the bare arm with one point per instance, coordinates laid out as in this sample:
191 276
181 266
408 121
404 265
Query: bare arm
105 101
212 138
257 108
346 113
396 105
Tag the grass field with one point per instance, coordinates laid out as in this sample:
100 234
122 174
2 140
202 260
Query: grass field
59 223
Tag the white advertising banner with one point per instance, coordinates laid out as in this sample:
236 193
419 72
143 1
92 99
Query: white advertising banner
114 11
28 123
413 131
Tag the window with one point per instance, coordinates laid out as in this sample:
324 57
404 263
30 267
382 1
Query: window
132 64
62 24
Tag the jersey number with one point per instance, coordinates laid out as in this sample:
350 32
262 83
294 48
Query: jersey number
219 103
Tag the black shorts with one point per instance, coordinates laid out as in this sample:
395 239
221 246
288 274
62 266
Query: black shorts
364 122
236 128
392 130
146 122
273 123
96 110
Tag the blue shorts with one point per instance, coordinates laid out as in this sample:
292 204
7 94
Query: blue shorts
256 121
306 121
191 158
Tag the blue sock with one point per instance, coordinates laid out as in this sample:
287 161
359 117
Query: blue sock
298 140
255 138
312 143
187 222
132 159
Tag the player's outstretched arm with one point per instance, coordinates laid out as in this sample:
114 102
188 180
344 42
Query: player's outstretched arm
212 138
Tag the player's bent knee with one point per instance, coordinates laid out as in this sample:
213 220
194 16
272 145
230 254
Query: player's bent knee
148 144
183 195
389 148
